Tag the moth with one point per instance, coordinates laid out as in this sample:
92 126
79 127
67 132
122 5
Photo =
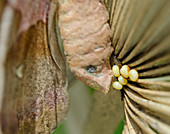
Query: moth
35 97
86 38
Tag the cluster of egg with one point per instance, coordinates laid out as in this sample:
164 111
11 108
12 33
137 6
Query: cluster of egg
124 74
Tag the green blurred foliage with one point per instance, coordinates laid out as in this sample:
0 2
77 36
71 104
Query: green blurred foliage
91 90
119 128
62 130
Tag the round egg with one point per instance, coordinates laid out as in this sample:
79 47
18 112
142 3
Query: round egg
125 71
117 85
116 71
122 80
133 75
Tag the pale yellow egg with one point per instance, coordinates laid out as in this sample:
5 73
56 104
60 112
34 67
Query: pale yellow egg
133 75
125 71
117 85
122 80
116 71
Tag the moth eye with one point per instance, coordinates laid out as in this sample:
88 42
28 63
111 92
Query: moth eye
91 69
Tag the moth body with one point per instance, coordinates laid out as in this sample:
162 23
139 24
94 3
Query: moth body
86 40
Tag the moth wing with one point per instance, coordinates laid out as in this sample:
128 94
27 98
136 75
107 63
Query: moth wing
34 99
